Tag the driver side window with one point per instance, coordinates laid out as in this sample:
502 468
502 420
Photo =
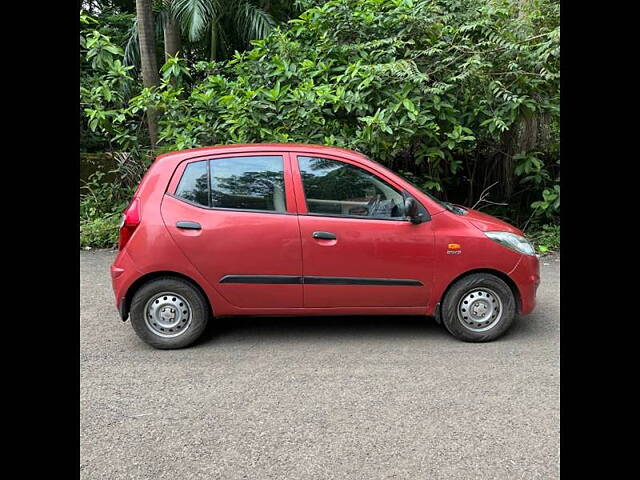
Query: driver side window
336 188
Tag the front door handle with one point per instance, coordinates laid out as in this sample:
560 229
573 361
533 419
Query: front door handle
188 225
324 235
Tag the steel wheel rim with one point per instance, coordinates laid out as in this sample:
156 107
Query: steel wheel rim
167 314
480 309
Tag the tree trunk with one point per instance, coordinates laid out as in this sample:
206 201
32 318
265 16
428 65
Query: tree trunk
214 40
148 61
172 44
521 136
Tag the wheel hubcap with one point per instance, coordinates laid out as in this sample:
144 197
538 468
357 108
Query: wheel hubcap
168 314
480 309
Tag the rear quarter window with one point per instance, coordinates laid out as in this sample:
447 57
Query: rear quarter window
194 184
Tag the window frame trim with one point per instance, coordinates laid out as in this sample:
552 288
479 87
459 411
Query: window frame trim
290 209
299 187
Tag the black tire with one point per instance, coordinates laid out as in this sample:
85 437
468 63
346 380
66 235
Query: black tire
465 286
199 315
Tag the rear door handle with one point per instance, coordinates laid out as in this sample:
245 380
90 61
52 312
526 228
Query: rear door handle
188 225
324 235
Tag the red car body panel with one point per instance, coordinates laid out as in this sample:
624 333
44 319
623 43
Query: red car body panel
231 242
364 248
240 243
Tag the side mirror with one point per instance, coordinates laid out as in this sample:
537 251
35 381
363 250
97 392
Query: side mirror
411 210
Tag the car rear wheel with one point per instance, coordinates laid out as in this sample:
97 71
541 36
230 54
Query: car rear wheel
478 308
168 313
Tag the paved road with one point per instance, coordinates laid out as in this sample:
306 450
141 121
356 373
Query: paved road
343 398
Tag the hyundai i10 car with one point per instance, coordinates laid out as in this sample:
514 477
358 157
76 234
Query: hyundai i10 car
300 230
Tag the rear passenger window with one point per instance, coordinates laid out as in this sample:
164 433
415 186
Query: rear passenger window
248 183
245 183
194 184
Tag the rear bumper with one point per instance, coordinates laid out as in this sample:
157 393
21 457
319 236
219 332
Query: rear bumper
526 276
123 310
123 274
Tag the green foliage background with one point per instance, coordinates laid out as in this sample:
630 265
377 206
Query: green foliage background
462 96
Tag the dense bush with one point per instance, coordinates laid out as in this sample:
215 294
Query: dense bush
99 232
102 202
547 238
106 87
104 39
461 94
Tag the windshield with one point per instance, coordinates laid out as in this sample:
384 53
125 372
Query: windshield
449 206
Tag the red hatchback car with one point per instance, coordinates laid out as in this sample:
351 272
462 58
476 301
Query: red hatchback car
288 229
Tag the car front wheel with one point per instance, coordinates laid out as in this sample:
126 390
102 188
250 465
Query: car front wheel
168 313
478 308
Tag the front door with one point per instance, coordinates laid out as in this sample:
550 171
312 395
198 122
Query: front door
234 219
358 249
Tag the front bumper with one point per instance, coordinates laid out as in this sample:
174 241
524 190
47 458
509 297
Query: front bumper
526 276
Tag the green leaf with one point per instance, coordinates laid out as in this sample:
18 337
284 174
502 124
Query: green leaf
408 104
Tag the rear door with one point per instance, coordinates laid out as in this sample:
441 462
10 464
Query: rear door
233 216
358 248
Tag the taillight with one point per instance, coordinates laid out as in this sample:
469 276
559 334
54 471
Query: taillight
129 223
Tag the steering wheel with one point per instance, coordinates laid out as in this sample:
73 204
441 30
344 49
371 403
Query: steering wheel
372 205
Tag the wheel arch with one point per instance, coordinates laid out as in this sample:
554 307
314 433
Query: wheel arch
497 273
135 286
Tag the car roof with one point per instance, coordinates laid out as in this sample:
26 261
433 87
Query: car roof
259 147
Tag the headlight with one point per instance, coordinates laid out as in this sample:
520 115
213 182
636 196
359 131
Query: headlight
512 241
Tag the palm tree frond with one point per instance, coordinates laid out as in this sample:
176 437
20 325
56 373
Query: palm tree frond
253 23
132 45
195 16
132 48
